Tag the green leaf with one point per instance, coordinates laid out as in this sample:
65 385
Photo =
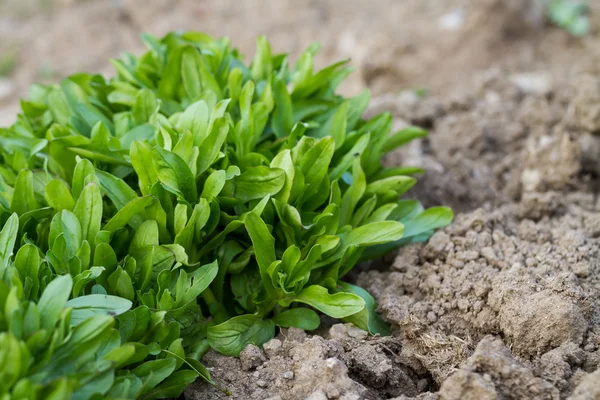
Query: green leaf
198 282
119 192
173 172
232 336
195 118
375 233
283 160
190 72
154 372
283 113
402 137
27 262
214 184
398 184
129 214
315 163
428 220
53 300
88 210
264 246
23 199
367 319
337 305
58 195
258 182
211 145
173 386
303 318
141 159
8 237
85 307
84 173
139 133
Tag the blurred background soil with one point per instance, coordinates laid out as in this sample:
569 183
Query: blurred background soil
429 45
502 304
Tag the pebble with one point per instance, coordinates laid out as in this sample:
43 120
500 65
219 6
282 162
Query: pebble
251 357
319 395
535 83
452 21
262 384
272 347
288 375
357 333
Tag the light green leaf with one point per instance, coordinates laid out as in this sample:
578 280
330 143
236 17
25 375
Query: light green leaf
337 305
173 172
303 318
89 306
428 220
258 182
230 337
283 113
23 199
58 195
53 300
264 246
88 210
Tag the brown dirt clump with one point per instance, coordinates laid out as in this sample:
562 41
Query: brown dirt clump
297 366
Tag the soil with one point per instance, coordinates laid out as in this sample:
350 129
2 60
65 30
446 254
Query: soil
502 304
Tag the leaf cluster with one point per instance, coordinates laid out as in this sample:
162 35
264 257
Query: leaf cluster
190 202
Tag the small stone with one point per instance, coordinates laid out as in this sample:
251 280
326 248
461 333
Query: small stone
452 21
422 385
338 331
295 334
288 375
357 333
275 398
272 347
488 253
318 395
331 391
332 363
535 83
467 385
436 245
468 255
261 383
251 357
590 347
431 317
588 387
581 269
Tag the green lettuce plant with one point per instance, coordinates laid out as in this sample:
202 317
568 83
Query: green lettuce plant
190 202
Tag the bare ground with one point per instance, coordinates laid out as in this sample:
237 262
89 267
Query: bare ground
502 304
